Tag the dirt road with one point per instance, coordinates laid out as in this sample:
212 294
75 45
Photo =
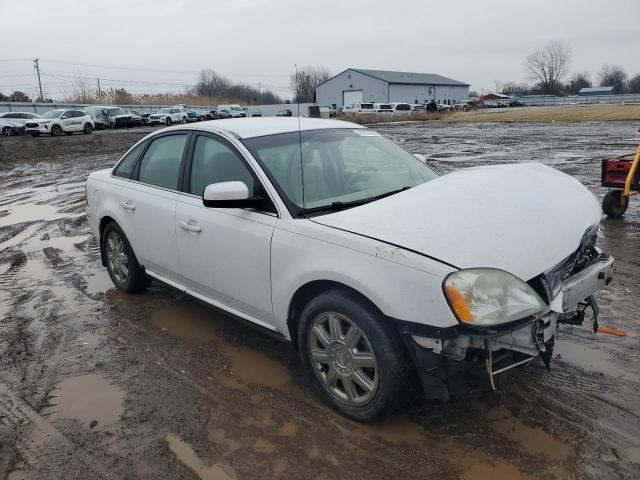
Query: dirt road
95 384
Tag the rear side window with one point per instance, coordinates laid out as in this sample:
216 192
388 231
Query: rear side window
125 167
160 165
215 162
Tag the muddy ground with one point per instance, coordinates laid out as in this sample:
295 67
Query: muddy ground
101 385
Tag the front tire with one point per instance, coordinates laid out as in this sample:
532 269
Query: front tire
614 204
354 359
8 131
56 131
168 122
87 129
123 267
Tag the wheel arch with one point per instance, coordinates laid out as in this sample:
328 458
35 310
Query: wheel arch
305 293
104 221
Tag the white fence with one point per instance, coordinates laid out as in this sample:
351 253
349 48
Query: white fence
40 108
550 101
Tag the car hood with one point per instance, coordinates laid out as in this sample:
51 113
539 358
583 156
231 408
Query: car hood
522 218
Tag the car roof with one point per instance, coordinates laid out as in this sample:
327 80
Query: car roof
251 127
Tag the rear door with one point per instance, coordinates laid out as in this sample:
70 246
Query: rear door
150 202
225 252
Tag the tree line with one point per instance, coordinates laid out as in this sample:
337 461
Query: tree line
548 68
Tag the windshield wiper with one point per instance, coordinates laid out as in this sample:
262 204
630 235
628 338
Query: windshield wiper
337 206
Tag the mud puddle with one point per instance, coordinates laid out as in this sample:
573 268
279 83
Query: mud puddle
89 399
198 323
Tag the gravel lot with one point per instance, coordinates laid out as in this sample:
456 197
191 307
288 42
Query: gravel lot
98 384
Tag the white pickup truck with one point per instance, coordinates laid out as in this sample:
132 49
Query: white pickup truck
379 270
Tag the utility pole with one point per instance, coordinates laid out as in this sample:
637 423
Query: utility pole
259 91
99 91
35 62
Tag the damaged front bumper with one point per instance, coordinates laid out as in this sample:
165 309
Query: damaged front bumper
437 351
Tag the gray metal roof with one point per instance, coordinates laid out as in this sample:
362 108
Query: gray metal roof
595 89
410 77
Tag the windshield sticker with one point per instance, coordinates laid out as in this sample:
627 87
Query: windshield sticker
365 132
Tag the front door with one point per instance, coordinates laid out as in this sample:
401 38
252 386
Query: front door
225 253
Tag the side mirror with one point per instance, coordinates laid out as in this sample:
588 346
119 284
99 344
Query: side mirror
227 195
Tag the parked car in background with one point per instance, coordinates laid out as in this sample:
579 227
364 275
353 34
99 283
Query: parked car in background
284 113
214 114
490 104
235 110
144 116
9 128
226 113
108 116
359 108
57 122
257 113
19 118
332 111
400 108
418 108
193 116
383 108
443 107
354 256
168 116
136 120
516 103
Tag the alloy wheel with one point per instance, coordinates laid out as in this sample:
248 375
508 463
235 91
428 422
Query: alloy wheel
342 359
117 257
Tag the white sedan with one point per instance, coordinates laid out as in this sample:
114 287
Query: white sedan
379 270
57 122
18 117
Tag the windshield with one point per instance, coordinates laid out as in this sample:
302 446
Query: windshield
53 114
165 110
337 166
366 106
115 111
238 109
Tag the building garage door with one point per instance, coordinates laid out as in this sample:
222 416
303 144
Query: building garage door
351 96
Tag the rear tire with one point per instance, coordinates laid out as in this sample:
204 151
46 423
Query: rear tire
123 267
362 373
56 131
8 131
614 204
87 129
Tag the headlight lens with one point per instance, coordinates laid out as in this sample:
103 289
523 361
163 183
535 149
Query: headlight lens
487 297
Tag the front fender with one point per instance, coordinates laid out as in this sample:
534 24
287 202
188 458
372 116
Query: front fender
402 285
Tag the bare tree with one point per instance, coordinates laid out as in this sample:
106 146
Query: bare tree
547 66
305 81
212 85
634 84
613 76
579 81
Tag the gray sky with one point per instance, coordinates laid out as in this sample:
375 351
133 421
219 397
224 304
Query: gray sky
160 45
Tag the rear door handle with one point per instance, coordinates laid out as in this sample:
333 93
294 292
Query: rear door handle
191 226
129 205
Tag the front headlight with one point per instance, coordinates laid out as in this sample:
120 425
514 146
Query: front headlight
486 297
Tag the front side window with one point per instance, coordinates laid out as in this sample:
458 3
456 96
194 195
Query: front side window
215 162
336 167
125 167
160 165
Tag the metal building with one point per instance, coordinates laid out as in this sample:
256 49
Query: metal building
380 86
595 91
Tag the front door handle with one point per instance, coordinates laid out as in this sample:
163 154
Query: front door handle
129 205
191 226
